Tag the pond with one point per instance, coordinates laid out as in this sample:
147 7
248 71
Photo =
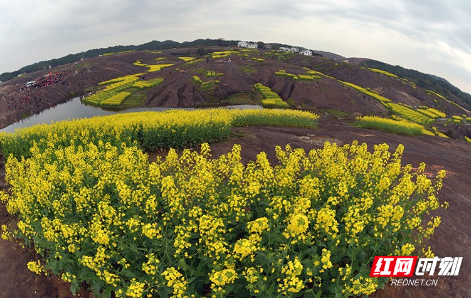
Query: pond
75 109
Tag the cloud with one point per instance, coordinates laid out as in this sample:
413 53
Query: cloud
432 36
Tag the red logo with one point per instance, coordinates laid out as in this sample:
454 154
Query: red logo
393 266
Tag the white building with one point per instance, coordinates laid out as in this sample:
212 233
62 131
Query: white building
252 45
306 52
285 49
242 44
294 50
247 45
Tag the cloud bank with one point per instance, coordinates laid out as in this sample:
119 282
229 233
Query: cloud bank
431 36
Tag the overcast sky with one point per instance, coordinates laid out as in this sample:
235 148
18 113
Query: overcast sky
432 36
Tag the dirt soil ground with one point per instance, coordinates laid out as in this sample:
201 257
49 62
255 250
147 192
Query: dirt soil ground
451 239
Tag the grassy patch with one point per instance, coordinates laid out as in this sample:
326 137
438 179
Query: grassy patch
136 99
437 133
241 99
237 134
213 74
430 92
337 113
247 69
196 80
174 128
83 65
199 70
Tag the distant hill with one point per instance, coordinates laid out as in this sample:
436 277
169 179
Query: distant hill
330 55
212 72
152 45
425 81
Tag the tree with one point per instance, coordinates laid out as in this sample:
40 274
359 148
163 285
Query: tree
202 51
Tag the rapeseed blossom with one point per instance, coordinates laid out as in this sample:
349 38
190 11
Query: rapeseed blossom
188 224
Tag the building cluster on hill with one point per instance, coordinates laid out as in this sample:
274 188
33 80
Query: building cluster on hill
254 45
247 45
296 50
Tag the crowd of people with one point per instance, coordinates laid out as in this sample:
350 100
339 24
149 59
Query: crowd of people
51 79
23 102
21 97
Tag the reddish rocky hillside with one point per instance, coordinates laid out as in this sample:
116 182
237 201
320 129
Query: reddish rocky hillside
236 75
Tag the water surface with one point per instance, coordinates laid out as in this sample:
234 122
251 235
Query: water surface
75 109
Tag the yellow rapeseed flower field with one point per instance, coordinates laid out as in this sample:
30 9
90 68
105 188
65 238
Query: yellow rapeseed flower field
99 212
391 125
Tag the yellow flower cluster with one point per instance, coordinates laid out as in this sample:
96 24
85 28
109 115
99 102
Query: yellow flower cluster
152 67
383 72
118 89
367 91
391 125
153 130
223 54
176 281
326 263
298 225
409 113
311 76
291 283
251 274
35 267
362 285
115 92
270 98
259 225
431 112
136 289
148 83
136 228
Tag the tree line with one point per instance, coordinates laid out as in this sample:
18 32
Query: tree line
424 81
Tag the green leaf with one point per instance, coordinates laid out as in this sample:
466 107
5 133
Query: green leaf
74 287
264 260
332 288
309 294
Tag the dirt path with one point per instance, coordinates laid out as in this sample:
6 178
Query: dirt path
452 237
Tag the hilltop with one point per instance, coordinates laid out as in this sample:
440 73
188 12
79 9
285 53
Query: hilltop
216 76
